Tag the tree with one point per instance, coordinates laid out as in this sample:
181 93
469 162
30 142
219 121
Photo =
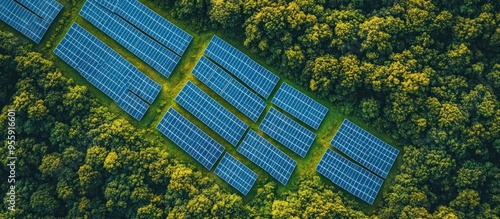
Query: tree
322 71
185 9
51 165
370 109
89 180
467 202
44 203
262 202
346 24
471 175
149 211
294 61
226 13
376 33
494 76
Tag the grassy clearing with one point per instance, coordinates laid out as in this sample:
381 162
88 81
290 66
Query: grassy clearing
182 73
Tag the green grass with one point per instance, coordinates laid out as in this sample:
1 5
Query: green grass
179 77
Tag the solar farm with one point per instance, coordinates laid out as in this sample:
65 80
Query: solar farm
232 114
292 120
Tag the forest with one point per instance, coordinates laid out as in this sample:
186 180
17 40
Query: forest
425 71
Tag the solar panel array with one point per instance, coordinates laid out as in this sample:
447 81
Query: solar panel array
108 71
230 89
46 9
287 132
151 23
267 156
250 72
151 52
351 177
210 112
190 138
365 148
236 173
300 105
23 20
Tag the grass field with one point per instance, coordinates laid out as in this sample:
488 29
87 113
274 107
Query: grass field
173 85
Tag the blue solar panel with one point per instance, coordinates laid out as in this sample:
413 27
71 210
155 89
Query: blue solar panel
132 105
250 72
349 176
190 138
365 148
151 23
267 156
236 173
140 84
23 20
107 70
300 105
230 89
287 132
46 9
151 52
214 115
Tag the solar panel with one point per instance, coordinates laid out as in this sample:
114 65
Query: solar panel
132 105
140 84
365 148
236 173
300 105
107 70
230 89
267 156
46 9
250 72
349 176
190 138
287 132
23 20
214 115
148 50
151 23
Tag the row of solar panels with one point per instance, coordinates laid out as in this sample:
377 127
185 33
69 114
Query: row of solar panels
206 150
32 18
353 141
367 150
110 72
357 143
258 79
275 124
232 129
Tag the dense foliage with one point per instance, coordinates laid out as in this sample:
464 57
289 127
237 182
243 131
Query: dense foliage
426 71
